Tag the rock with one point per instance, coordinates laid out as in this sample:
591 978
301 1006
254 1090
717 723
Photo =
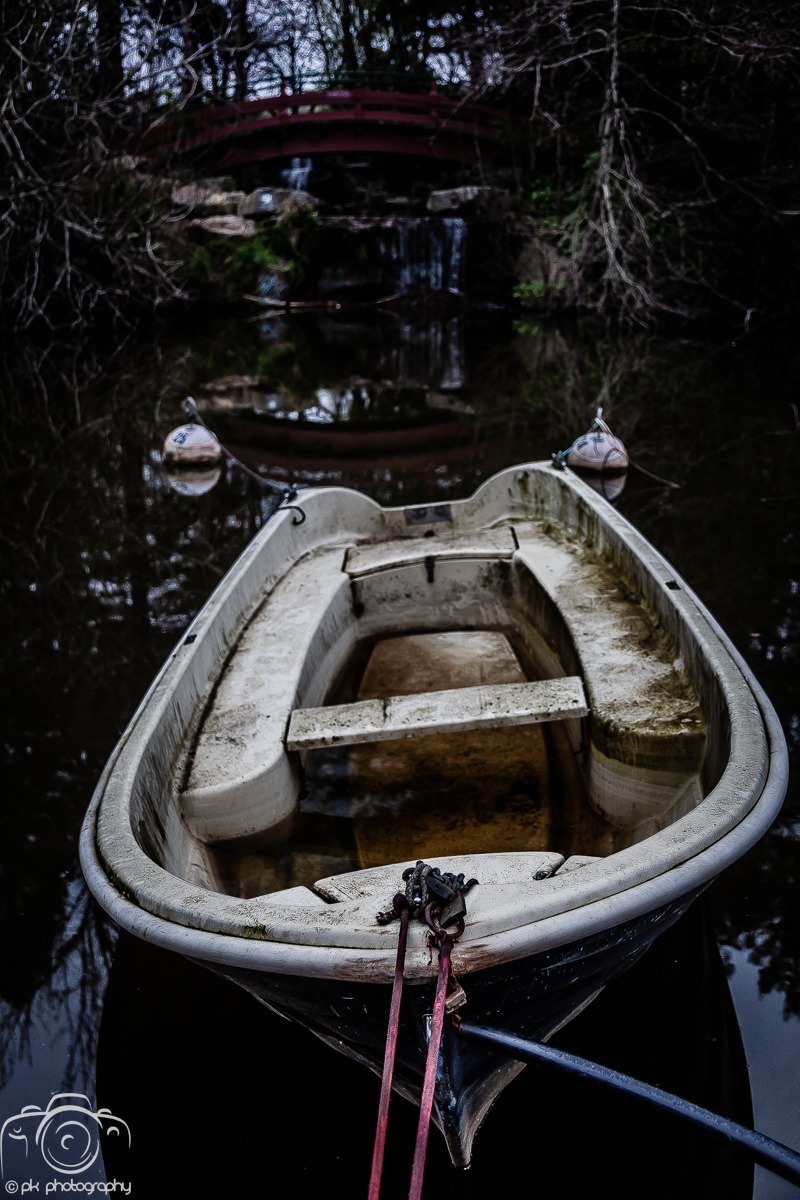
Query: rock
226 226
244 393
210 200
275 202
472 199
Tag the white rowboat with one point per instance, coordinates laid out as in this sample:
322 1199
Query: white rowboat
516 687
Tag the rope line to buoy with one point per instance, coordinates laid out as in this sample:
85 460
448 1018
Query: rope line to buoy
658 478
600 424
190 407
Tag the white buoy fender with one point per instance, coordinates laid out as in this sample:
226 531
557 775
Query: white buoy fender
598 450
196 481
608 484
191 444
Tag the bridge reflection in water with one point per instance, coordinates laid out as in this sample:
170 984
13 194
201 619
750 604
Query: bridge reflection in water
354 428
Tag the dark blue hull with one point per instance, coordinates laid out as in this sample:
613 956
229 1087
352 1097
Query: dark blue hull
532 997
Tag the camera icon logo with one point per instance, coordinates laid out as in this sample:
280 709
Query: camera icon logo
67 1134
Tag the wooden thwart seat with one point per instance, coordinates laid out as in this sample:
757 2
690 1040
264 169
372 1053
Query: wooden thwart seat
399 552
454 710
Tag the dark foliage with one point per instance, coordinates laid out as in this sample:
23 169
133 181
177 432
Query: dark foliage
666 160
662 136
79 238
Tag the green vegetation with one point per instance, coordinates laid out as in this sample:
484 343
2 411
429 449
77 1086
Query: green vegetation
226 269
536 293
546 205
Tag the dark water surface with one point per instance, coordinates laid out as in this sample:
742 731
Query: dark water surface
105 561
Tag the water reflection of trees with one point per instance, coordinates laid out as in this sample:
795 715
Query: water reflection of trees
104 563
756 910
64 1011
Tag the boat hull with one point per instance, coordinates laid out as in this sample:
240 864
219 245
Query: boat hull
532 997
274 1094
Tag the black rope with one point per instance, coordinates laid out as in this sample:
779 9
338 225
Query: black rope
657 478
287 493
776 1157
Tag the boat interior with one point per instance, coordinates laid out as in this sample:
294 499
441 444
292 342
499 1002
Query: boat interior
439 693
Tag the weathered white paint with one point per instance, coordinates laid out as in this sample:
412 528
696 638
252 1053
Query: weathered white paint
241 779
490 871
649 731
575 861
481 707
481 543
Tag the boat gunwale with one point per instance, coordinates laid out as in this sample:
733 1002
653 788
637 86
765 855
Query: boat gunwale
128 883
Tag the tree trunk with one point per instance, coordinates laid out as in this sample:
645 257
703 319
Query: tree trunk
241 37
109 48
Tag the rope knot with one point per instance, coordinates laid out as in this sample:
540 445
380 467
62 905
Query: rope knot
436 896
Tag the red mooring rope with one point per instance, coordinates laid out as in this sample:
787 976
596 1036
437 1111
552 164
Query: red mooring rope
388 1060
431 1067
426 888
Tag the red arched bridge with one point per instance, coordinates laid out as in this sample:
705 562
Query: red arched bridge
331 120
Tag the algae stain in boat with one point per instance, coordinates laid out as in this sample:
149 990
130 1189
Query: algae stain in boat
503 790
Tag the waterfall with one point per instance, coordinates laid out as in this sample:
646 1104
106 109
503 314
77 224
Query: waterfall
295 176
455 236
426 354
426 253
